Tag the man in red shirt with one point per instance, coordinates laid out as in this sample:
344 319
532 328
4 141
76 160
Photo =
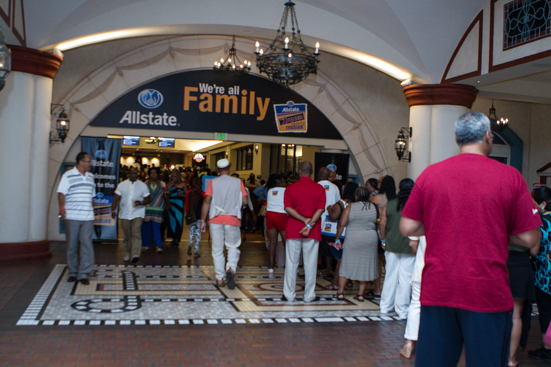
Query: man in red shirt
469 207
224 198
304 201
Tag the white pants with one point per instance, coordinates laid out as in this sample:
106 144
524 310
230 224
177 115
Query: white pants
414 313
397 285
230 236
310 253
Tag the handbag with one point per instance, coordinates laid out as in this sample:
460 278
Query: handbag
329 229
263 210
190 217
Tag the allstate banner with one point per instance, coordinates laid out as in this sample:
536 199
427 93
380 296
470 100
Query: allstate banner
106 155
218 102
291 117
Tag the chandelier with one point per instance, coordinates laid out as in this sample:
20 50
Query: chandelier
287 60
232 62
495 124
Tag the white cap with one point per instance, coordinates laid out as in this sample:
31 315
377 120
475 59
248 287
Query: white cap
223 163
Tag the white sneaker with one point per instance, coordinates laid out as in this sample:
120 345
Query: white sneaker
271 271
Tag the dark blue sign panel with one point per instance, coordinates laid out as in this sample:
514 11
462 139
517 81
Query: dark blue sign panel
106 155
216 101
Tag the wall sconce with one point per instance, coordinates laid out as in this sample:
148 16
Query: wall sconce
256 148
5 60
495 124
401 144
62 124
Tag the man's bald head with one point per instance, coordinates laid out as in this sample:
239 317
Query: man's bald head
323 174
305 169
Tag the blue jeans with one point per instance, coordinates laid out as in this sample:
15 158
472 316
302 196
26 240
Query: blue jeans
151 229
444 330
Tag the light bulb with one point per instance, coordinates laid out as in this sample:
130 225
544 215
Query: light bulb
286 42
257 45
317 47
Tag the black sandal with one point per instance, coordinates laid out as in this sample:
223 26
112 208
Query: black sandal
359 297
339 296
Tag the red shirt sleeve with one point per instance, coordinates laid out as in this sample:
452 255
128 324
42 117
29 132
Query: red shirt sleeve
209 189
525 215
243 191
321 199
287 200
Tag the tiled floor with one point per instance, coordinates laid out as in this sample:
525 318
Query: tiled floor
174 316
169 294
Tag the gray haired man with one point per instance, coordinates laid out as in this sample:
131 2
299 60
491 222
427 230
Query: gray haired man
75 195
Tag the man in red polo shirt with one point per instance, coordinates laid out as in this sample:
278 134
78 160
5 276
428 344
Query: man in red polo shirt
469 207
305 203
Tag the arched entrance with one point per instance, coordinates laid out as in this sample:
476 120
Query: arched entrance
93 94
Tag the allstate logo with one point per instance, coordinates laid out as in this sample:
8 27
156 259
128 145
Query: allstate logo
101 154
99 195
332 167
150 98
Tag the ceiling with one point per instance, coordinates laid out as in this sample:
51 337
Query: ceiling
410 38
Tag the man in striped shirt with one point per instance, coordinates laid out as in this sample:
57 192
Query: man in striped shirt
75 195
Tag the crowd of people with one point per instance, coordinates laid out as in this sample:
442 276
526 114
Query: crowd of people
466 250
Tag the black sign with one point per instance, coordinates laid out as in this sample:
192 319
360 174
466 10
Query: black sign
214 101
105 155
336 162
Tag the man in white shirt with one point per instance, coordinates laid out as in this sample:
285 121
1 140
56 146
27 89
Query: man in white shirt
133 195
224 198
332 195
75 195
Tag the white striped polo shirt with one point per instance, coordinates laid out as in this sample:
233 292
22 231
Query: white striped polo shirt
79 191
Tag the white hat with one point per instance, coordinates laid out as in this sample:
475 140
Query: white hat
223 163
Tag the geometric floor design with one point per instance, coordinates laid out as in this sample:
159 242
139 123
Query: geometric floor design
169 295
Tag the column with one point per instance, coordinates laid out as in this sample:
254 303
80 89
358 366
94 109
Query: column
433 109
24 146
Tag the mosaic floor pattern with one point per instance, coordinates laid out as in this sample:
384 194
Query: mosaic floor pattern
170 295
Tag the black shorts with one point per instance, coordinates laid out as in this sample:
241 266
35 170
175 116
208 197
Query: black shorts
521 276
325 249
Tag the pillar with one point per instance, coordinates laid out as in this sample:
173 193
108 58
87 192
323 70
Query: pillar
24 146
433 109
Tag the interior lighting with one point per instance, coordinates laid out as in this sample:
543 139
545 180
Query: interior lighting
287 60
5 61
495 124
401 144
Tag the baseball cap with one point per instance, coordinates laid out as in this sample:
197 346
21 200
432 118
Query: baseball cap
223 163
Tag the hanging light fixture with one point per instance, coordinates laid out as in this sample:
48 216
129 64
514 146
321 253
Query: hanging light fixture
401 144
287 60
495 124
62 124
232 62
5 61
